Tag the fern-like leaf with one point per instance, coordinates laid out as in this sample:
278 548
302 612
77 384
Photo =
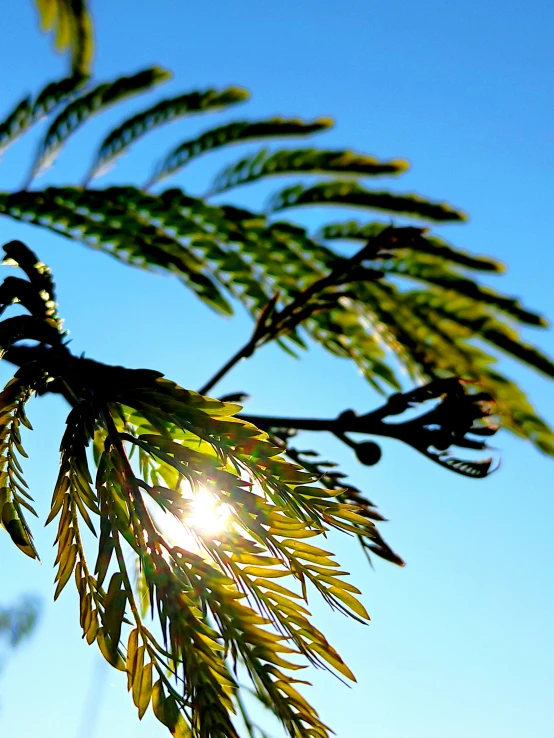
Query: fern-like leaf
92 103
122 222
166 111
415 268
300 161
14 495
16 123
351 194
28 112
214 596
232 133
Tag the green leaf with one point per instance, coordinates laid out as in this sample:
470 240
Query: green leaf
138 669
116 601
132 646
145 690
17 531
67 566
232 133
120 221
55 93
351 194
332 658
16 123
350 601
111 657
166 111
27 112
265 163
83 108
158 702
437 275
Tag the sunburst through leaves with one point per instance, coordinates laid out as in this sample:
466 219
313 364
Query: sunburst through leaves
205 516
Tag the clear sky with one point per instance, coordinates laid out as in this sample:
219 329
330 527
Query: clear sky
461 641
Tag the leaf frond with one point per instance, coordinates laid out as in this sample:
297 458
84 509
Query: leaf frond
91 103
351 194
300 161
125 135
232 133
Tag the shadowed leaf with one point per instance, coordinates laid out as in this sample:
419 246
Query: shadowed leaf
28 112
299 161
351 194
232 133
91 103
166 111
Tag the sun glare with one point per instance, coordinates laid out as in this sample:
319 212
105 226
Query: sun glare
207 516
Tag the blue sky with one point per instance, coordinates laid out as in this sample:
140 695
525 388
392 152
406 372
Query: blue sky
461 641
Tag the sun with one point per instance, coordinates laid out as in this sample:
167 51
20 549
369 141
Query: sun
206 517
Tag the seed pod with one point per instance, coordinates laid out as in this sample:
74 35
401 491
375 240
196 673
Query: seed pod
368 453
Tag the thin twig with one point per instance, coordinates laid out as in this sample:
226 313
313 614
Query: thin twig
292 314
243 353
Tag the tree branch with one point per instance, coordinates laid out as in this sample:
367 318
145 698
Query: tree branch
454 419
273 323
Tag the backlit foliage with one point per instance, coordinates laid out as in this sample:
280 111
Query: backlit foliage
427 316
190 612
203 602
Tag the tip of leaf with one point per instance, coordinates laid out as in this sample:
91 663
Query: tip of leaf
326 122
401 164
161 74
241 93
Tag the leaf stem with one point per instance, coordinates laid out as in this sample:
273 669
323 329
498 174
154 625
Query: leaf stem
287 319
243 353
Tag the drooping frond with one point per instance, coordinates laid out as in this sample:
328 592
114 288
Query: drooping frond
37 295
232 133
72 25
166 111
89 104
191 448
301 161
14 494
333 479
29 111
212 594
351 194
